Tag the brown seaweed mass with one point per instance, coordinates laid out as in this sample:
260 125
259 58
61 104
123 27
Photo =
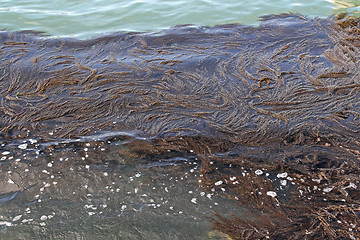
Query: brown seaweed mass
283 96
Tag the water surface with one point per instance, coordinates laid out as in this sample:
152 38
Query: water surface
84 18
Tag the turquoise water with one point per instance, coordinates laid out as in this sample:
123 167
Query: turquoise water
84 18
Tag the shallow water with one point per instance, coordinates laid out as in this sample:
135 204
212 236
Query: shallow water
103 187
91 189
120 186
84 18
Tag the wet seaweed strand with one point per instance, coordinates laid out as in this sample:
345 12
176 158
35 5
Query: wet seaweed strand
233 77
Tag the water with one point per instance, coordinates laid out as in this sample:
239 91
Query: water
94 190
119 186
85 18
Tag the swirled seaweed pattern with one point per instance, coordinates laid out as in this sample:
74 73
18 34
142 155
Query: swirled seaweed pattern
287 76
282 98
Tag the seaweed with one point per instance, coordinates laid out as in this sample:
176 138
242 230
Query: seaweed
271 112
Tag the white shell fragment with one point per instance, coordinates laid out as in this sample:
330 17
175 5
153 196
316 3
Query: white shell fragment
23 146
218 183
282 175
271 194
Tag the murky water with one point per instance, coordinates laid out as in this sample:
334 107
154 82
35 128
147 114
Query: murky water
84 18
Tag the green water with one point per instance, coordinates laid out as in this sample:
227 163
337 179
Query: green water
84 18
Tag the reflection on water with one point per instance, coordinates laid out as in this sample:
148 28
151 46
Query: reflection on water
349 6
345 4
